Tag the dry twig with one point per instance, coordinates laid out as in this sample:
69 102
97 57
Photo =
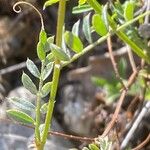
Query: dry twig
131 58
120 101
72 137
109 43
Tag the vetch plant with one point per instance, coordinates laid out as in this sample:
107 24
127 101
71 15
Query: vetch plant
53 53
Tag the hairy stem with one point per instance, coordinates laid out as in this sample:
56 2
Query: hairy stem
56 73
38 114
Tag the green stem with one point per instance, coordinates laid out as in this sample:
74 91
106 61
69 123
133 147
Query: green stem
38 114
133 46
56 73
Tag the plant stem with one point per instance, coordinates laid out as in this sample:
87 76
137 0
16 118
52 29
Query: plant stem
38 114
134 47
56 73
100 40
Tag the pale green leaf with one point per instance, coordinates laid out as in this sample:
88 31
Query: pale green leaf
64 46
81 9
93 147
43 37
28 84
51 39
49 3
99 25
129 10
32 68
86 28
59 53
47 70
75 28
105 16
81 2
46 89
20 116
50 57
22 103
73 42
40 51
44 108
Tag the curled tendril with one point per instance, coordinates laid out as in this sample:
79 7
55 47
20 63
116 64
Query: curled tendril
18 9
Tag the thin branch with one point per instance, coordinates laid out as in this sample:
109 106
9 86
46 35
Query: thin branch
131 58
115 115
109 43
76 138
141 145
131 108
120 101
55 133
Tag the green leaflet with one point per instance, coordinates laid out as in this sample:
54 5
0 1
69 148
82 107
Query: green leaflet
40 51
105 17
81 9
73 42
22 103
20 116
43 36
28 84
46 89
81 2
51 39
75 28
49 3
32 68
99 25
93 147
44 108
86 28
50 57
129 10
47 70
59 53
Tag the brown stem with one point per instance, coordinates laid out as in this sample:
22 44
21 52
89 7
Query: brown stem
140 146
55 133
109 43
120 101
